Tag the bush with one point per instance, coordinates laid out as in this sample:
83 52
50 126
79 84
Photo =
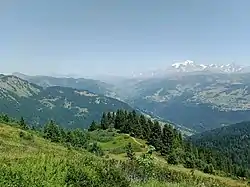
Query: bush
96 149
189 163
209 168
26 136
200 164
173 159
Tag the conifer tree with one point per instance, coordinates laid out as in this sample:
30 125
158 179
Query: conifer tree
93 126
167 140
22 124
104 121
52 132
145 127
5 118
155 136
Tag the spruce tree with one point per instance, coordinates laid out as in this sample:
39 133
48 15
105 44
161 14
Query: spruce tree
52 132
145 127
104 121
93 126
167 140
155 136
22 124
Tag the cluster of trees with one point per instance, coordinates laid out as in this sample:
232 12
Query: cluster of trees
169 143
76 138
233 142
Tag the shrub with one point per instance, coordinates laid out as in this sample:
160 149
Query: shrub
173 159
209 169
26 136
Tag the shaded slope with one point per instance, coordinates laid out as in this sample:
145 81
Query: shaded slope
233 141
70 107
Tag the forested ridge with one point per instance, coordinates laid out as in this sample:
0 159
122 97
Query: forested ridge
232 141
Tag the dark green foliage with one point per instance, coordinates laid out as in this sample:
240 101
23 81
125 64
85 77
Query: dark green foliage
129 151
96 149
52 132
189 162
25 135
169 142
5 118
104 121
209 169
231 148
155 136
173 158
93 126
76 138
22 124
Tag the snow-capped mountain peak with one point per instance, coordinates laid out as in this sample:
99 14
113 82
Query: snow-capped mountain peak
188 66
185 63
191 66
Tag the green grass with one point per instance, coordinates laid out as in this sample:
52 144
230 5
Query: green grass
119 141
160 184
29 160
114 144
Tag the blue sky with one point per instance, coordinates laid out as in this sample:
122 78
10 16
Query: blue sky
118 37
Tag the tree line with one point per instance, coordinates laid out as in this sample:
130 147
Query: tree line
170 144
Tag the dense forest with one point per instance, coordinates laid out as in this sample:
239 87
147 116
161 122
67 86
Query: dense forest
233 141
169 143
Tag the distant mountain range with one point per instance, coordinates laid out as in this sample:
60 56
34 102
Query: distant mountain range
73 108
95 86
197 101
189 66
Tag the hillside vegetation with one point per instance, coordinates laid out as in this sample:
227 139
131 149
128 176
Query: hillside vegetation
37 158
233 141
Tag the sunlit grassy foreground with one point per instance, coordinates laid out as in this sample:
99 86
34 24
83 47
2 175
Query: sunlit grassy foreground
29 160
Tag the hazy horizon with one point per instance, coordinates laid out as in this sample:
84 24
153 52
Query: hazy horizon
90 38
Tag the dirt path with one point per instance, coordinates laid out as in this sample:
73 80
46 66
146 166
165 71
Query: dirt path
134 139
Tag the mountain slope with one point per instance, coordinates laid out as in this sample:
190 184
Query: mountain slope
197 101
27 159
70 107
233 141
91 85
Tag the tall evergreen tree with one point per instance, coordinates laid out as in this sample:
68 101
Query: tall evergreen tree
22 124
155 136
93 126
167 140
52 132
104 121
145 127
